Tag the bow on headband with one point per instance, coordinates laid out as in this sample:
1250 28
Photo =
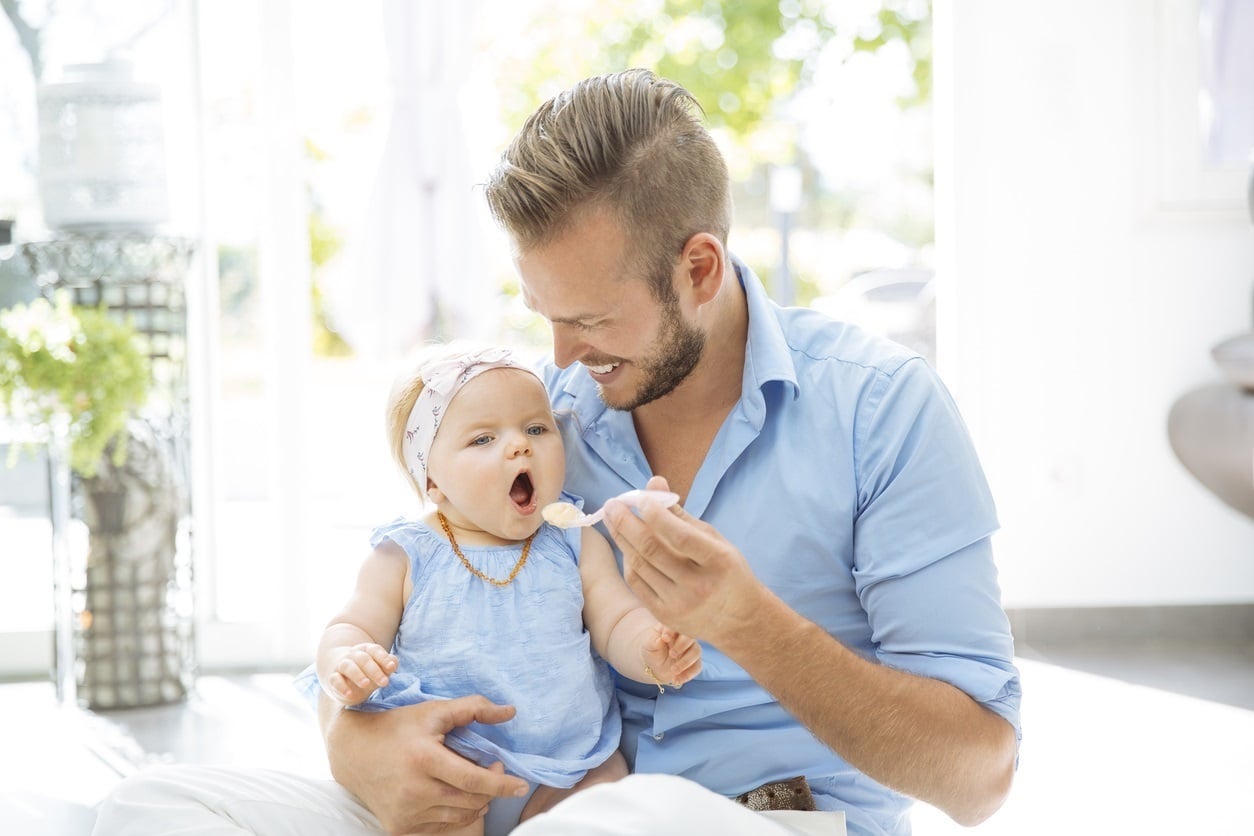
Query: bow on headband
441 381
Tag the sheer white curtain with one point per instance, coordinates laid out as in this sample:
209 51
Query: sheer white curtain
411 270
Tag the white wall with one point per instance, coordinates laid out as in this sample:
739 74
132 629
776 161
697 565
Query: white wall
1089 262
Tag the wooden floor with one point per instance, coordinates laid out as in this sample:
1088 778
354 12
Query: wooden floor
1117 740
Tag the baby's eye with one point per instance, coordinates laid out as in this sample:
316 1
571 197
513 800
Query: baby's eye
537 429
480 440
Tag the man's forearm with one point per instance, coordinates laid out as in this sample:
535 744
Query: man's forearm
919 736
329 713
343 730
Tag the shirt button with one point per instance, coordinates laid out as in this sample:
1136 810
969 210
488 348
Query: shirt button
659 736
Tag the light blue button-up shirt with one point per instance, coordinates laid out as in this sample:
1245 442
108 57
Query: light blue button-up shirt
847 478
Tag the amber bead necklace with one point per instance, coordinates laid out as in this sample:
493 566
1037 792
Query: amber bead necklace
526 550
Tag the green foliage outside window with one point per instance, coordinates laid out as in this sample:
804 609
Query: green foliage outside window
325 242
741 60
752 65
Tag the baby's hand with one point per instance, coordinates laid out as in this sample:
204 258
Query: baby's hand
672 657
362 669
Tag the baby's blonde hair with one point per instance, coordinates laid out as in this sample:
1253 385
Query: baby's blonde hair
406 388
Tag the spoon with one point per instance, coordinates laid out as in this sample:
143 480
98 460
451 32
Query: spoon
566 515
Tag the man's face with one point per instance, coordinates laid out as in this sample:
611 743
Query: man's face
636 348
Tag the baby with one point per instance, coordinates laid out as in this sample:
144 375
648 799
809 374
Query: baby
481 596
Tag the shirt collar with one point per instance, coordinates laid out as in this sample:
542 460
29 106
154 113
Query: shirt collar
767 356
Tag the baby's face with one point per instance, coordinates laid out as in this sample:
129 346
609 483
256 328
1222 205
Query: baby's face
497 458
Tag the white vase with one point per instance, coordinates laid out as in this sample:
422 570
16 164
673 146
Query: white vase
1211 430
102 150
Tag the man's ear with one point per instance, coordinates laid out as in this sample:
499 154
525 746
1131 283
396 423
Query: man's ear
703 262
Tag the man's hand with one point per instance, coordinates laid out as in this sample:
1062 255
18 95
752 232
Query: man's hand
688 575
397 764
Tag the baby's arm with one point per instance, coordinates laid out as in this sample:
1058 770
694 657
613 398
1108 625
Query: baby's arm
353 659
623 630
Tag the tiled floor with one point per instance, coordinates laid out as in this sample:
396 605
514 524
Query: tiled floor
1118 740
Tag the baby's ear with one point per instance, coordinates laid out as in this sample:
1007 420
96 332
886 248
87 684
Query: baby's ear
433 492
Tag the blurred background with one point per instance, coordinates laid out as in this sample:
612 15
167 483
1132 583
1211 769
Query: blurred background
326 162
1049 201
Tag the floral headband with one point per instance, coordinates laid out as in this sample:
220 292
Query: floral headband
441 381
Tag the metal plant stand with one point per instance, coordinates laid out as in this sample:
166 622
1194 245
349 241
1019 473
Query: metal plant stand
125 607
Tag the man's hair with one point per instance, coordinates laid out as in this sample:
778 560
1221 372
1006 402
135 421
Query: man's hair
631 143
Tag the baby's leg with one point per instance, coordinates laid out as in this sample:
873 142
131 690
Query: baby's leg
503 813
545 798
614 768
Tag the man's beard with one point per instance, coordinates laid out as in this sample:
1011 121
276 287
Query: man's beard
678 353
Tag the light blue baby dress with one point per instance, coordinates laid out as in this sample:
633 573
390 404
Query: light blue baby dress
523 645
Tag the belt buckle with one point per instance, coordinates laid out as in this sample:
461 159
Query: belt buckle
790 794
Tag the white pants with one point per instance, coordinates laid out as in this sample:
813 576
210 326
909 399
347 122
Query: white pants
217 801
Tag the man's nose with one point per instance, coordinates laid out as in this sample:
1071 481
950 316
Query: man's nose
567 347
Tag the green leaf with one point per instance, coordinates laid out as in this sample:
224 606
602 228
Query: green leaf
57 359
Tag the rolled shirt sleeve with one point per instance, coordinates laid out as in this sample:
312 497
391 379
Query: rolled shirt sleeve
923 564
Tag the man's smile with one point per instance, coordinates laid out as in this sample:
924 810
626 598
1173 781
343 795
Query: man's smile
601 369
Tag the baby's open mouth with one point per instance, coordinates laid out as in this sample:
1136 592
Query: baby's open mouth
522 492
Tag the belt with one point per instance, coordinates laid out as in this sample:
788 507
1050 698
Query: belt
792 794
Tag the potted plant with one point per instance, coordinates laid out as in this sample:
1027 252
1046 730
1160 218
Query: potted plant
73 371
70 378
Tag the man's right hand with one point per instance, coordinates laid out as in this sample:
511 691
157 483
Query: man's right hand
396 762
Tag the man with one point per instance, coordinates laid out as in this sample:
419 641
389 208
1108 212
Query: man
833 547
832 550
